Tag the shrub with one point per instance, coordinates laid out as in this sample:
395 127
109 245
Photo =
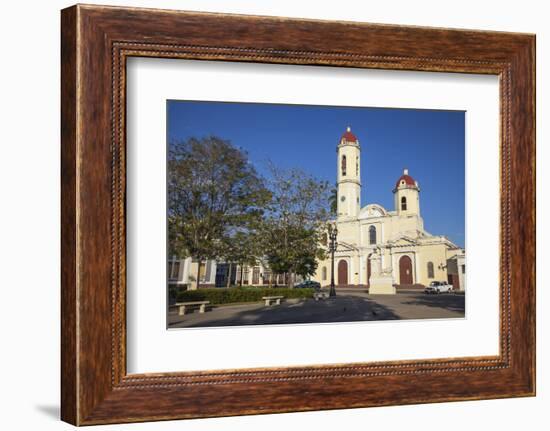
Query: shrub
229 295
174 290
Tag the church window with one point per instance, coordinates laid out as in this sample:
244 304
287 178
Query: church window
372 235
344 165
357 166
431 270
324 273
403 203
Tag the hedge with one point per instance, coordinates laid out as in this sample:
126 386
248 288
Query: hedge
241 294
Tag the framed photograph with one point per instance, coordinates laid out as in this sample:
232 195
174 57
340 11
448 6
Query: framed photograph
265 215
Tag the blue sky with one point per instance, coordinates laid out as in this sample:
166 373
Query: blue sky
430 143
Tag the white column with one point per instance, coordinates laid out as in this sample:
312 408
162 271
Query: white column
213 272
362 268
186 268
416 267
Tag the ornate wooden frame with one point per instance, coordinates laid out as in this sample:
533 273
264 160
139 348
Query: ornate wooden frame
95 42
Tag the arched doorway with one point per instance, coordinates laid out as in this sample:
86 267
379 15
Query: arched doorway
369 269
342 273
405 270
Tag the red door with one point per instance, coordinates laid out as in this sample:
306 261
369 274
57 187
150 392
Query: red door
342 273
405 270
454 281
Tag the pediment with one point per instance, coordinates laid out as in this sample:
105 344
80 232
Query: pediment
372 210
404 241
344 246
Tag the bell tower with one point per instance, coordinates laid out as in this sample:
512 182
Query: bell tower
349 175
407 195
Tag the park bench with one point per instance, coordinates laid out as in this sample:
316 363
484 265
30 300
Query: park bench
183 306
269 299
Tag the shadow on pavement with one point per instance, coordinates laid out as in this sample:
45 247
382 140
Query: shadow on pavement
444 301
332 310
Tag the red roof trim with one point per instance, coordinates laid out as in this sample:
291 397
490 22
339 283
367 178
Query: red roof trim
349 137
408 181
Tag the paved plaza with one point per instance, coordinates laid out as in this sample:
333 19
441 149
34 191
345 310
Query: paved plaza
347 306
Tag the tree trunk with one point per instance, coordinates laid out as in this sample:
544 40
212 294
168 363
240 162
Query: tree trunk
242 275
198 281
229 275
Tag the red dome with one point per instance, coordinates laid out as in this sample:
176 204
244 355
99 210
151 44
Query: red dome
348 136
409 181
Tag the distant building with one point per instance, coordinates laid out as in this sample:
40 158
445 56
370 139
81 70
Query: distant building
220 274
456 270
404 249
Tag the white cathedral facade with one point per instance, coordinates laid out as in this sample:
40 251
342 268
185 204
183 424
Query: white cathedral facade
380 248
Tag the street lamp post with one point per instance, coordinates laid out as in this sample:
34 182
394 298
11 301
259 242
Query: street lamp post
332 245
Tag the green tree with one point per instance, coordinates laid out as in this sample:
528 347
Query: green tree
294 224
333 201
213 191
243 248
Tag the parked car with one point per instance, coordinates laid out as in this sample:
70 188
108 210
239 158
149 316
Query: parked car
439 287
308 284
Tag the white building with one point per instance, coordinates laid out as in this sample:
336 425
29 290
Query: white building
403 249
214 274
